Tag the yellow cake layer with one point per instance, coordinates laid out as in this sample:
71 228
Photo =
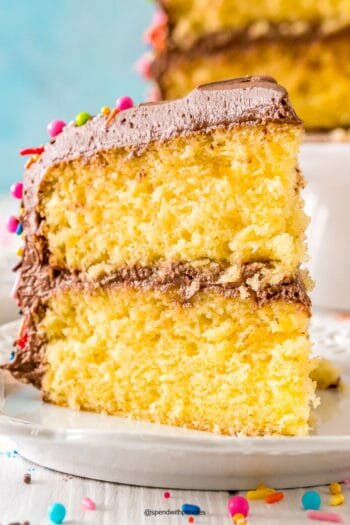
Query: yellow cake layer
191 19
230 196
316 74
218 364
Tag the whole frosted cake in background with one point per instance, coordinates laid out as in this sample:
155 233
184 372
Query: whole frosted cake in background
161 271
305 45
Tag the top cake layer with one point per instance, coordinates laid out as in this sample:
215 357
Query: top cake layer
217 105
208 179
254 99
189 20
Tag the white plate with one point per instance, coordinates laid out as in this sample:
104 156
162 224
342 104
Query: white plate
327 196
115 449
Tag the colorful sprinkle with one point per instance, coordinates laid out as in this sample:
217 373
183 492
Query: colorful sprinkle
159 18
346 481
16 190
12 223
19 229
190 519
124 102
82 118
166 495
336 499
260 493
238 505
143 66
31 161
33 151
274 497
27 478
331 517
112 116
239 519
21 341
105 110
187 508
19 251
57 513
55 127
12 355
311 500
88 504
335 488
156 34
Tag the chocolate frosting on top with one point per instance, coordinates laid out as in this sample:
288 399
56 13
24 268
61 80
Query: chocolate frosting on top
221 104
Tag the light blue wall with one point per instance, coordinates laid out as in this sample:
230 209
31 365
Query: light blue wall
59 57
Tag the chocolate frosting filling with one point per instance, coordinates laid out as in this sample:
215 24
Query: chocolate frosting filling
182 280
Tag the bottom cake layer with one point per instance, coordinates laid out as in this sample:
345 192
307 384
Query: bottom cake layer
217 363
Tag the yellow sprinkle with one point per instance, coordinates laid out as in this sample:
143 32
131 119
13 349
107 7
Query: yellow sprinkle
112 116
335 488
259 493
21 211
31 161
239 519
336 499
19 251
105 110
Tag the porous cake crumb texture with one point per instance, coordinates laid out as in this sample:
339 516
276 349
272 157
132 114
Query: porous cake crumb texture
218 364
230 196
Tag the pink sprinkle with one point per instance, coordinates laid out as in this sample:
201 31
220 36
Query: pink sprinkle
346 481
55 127
12 223
238 505
124 103
16 190
159 18
318 515
88 504
166 495
143 66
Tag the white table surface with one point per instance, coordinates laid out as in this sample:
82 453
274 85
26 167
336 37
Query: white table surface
116 504
126 505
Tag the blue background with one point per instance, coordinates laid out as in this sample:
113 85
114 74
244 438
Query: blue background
60 57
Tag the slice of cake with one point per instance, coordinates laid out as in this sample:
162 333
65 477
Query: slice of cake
160 278
304 45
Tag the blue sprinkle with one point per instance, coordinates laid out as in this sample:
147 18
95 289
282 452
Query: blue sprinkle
19 229
311 500
12 355
187 508
57 513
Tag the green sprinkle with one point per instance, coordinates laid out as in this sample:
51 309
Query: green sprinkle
82 118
